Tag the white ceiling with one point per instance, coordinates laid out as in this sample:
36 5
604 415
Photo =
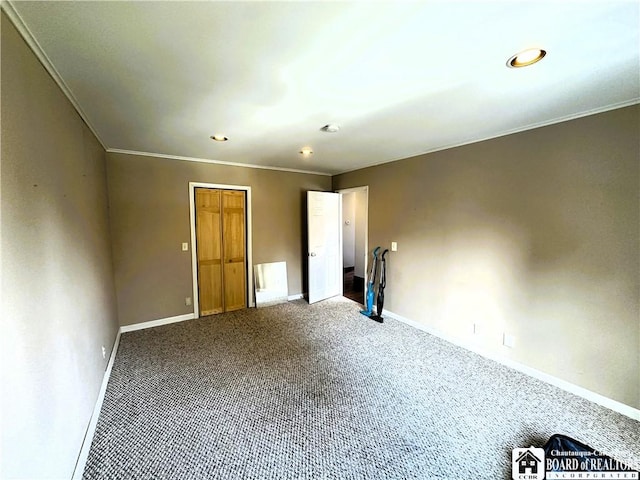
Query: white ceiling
400 79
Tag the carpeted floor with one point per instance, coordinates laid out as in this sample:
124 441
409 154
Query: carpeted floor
320 392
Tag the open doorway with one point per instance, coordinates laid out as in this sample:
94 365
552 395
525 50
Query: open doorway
354 241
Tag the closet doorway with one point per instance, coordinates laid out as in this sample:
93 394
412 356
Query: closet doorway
221 253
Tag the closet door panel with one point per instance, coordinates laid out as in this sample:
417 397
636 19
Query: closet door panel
234 248
209 251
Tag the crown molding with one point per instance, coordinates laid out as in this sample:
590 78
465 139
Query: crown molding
217 162
531 126
40 54
15 18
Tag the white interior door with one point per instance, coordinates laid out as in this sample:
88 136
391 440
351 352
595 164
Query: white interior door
324 214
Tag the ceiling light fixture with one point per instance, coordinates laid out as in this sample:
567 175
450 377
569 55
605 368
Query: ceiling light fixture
218 137
526 58
331 128
306 151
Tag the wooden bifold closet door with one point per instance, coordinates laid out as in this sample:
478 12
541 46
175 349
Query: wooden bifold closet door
220 249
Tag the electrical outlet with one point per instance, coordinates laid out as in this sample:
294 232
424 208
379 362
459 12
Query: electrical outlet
104 352
509 340
187 301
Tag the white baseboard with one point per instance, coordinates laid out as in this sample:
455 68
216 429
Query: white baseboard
156 323
298 296
93 422
609 403
545 377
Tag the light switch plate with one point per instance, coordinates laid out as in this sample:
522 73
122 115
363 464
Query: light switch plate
394 246
185 246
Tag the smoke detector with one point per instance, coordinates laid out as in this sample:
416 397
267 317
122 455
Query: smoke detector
219 137
331 128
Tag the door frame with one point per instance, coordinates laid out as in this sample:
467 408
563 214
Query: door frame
365 190
194 258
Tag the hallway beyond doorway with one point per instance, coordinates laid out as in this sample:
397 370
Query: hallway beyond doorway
353 287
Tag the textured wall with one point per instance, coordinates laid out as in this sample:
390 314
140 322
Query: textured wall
58 299
535 234
149 202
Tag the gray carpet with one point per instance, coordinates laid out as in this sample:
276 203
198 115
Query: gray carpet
320 392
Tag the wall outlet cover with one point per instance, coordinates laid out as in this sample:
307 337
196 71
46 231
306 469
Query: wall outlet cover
509 340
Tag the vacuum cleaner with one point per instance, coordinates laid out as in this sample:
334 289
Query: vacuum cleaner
370 285
381 285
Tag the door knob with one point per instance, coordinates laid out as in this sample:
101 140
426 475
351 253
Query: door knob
312 254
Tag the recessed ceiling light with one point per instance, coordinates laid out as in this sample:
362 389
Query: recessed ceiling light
218 137
526 58
306 151
331 128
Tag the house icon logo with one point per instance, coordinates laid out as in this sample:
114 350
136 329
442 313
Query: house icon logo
527 464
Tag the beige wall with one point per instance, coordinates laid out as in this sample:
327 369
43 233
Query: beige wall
149 205
535 234
58 299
